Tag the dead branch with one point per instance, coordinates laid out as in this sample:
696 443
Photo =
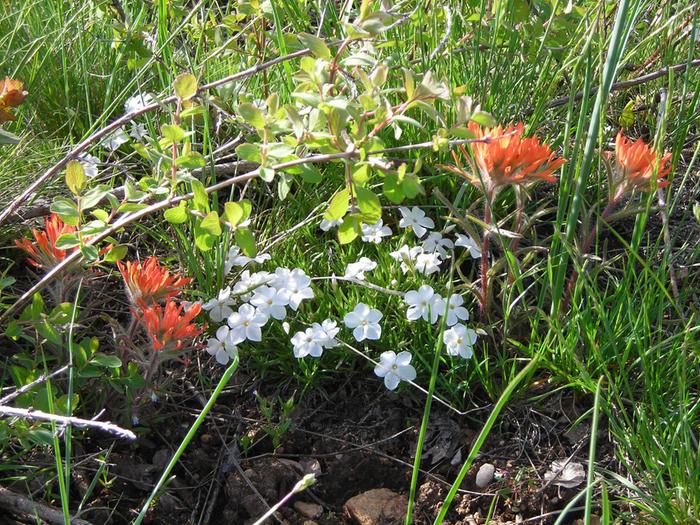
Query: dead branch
21 504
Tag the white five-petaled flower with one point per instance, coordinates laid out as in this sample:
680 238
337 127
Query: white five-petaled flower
296 282
364 322
89 164
246 323
138 102
220 308
470 244
222 348
459 340
375 232
325 333
357 269
138 131
455 311
307 343
236 258
424 303
271 301
115 139
395 368
248 282
327 225
436 243
416 220
427 263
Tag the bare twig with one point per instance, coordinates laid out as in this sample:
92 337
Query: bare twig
26 388
625 84
39 415
21 504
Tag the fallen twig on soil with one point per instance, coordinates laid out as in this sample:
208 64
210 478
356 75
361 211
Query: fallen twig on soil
21 504
39 415
29 386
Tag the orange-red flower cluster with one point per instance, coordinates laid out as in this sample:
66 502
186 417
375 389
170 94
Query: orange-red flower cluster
507 158
169 327
150 282
12 94
635 163
43 252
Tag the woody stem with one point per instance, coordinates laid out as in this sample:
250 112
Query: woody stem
485 254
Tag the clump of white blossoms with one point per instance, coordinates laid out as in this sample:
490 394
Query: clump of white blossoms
416 220
459 340
424 303
436 243
395 368
416 258
246 324
313 340
465 241
138 102
248 282
220 308
296 282
364 322
271 301
222 347
375 232
357 269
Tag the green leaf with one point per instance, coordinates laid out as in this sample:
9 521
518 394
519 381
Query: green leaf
211 224
338 206
201 199
392 189
8 138
177 215
317 46
172 132
192 160
483 119
349 230
185 86
192 112
93 196
267 174
67 241
89 252
246 241
626 119
234 213
117 253
252 115
369 204
249 152
67 210
75 177
106 361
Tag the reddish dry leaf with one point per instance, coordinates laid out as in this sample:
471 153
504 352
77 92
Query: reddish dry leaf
12 94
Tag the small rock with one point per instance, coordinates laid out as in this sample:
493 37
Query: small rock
309 522
377 506
308 510
485 475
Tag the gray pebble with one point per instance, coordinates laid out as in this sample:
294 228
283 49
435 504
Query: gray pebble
485 475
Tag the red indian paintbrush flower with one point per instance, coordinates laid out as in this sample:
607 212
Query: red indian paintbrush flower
169 328
507 158
634 167
150 282
43 252
12 94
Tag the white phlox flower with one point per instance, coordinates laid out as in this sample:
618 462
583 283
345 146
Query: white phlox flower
307 343
364 322
459 340
470 244
246 324
115 139
357 269
220 308
455 311
395 368
416 220
138 102
296 282
424 303
326 333
407 256
138 131
236 258
436 243
427 263
375 232
248 282
222 347
89 164
271 301
327 225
